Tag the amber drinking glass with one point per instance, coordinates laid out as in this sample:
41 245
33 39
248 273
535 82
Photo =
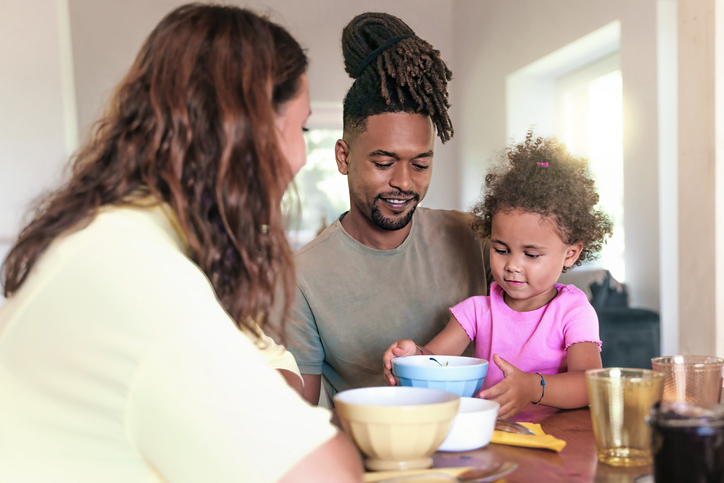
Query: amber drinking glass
695 379
621 401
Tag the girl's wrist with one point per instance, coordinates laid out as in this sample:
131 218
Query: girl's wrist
539 387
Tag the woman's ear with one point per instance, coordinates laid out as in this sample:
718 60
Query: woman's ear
572 253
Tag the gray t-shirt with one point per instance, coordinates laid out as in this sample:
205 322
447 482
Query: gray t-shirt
353 301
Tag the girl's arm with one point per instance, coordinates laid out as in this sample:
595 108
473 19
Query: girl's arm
568 390
451 341
565 391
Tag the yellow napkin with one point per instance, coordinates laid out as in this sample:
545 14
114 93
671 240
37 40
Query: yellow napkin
537 440
374 476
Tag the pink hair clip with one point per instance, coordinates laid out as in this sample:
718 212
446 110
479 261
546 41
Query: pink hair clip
542 163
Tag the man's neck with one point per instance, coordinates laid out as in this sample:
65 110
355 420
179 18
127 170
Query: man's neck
367 233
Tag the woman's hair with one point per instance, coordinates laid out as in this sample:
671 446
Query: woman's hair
193 124
394 71
540 176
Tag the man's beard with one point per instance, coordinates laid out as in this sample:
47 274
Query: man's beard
393 224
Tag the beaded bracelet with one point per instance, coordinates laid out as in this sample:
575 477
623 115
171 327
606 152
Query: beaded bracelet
420 348
543 384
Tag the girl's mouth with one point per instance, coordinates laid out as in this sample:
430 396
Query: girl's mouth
515 283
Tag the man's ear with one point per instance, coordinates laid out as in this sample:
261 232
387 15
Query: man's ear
572 253
341 154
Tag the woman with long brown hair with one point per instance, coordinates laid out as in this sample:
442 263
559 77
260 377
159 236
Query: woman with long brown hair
131 342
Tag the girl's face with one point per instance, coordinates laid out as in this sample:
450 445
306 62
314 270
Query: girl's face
527 256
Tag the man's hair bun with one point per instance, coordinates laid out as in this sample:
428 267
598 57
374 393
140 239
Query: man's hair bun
394 71
366 33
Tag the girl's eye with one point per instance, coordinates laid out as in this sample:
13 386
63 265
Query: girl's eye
502 252
305 129
532 255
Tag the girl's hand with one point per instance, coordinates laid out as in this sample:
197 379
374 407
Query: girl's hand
515 391
401 348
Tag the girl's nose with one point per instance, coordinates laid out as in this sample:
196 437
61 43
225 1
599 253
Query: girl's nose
512 265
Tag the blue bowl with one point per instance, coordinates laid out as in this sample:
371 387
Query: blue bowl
462 375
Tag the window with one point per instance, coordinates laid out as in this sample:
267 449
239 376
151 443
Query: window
575 94
322 191
590 123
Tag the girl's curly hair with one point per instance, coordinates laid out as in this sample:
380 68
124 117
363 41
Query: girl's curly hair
540 176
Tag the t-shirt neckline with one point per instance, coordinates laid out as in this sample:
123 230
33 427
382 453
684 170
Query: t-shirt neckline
374 251
530 315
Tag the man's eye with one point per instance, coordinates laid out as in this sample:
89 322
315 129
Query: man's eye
383 165
421 167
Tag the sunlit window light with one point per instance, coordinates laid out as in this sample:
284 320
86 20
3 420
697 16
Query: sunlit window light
322 190
592 127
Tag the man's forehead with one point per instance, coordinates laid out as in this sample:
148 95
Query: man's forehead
385 131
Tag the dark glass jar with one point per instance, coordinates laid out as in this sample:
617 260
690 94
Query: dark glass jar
687 442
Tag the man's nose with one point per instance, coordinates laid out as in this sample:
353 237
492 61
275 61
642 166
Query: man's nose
401 177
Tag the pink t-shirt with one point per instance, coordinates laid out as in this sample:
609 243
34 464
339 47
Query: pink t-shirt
534 341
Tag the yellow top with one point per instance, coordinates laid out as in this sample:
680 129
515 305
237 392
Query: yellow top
118 364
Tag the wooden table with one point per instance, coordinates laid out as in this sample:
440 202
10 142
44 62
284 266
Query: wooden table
577 462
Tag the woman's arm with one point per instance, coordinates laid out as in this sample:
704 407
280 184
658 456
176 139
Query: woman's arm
205 406
337 460
294 380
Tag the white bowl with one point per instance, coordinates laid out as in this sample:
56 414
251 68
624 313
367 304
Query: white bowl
473 426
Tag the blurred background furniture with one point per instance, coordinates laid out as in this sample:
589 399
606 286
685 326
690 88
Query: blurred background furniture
630 336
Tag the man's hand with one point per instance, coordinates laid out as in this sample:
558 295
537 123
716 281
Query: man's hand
401 348
515 391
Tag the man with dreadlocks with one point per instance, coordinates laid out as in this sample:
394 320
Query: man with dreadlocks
383 270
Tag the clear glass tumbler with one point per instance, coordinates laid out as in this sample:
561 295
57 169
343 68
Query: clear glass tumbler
695 379
621 401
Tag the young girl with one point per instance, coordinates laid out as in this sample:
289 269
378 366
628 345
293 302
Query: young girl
542 336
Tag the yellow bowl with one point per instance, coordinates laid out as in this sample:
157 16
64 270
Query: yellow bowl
397 428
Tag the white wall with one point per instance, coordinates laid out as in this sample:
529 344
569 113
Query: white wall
494 39
32 110
700 46
107 35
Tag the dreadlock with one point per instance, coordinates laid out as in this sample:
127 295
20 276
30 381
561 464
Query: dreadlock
406 74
